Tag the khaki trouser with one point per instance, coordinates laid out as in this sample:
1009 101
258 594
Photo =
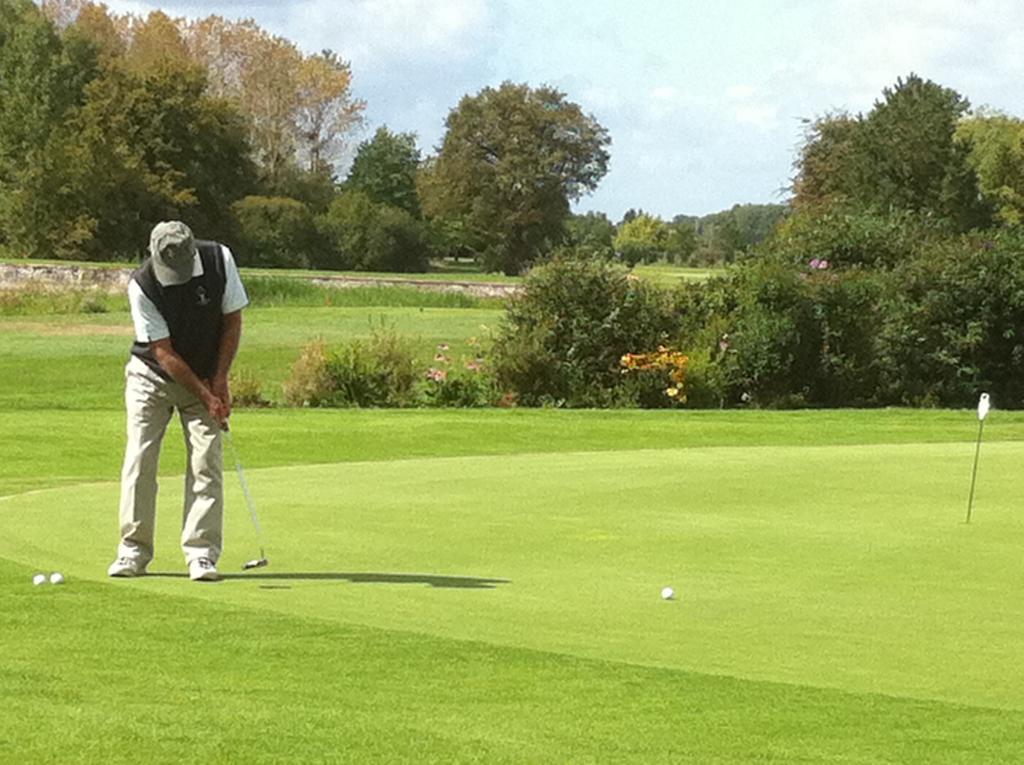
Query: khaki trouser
150 401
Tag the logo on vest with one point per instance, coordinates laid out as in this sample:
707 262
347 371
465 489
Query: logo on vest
202 299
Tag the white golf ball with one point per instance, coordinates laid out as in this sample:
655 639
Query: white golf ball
56 578
39 579
668 593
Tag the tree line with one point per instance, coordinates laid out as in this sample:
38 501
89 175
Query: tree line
110 122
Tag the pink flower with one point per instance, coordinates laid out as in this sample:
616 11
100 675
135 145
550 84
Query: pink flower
437 375
442 358
815 264
443 347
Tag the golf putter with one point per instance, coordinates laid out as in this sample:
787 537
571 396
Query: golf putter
261 561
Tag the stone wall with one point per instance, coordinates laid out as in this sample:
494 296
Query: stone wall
116 279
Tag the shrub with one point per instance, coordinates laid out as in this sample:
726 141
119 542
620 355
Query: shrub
379 372
773 334
564 334
845 238
952 325
275 232
465 382
310 382
247 391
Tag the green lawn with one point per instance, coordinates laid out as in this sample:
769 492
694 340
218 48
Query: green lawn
81 358
668 275
483 586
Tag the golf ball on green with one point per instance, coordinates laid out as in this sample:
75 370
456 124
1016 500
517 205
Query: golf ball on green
56 578
39 579
668 593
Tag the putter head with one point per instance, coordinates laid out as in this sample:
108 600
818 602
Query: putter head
257 563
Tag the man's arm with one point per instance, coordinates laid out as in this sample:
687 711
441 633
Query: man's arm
182 373
231 335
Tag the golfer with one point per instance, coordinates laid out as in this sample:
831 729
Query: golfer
186 301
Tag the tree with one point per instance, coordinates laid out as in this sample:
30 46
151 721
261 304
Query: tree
825 165
902 155
912 161
156 43
42 83
642 240
511 161
275 232
299 108
325 112
385 170
996 153
681 243
592 231
370 236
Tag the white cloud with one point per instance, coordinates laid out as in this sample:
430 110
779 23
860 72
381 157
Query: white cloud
970 45
375 31
740 92
665 93
763 116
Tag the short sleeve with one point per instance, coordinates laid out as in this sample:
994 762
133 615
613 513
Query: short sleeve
235 298
150 325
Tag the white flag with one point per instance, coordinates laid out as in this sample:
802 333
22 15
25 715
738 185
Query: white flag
983 406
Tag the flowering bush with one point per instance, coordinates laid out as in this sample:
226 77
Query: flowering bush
466 382
662 372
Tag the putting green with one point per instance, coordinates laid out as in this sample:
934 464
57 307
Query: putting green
842 567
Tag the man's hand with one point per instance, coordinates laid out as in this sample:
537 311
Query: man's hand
221 389
182 373
218 410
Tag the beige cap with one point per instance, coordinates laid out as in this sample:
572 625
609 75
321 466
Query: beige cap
173 249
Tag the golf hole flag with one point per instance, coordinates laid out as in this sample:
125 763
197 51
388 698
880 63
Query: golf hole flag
983 406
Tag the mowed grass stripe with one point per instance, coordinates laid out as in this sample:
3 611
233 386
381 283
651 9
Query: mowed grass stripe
100 673
40 448
844 567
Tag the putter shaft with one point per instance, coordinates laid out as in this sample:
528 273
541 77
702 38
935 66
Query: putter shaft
262 560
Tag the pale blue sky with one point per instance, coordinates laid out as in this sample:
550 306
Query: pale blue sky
703 100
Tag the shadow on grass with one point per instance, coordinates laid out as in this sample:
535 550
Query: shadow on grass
434 580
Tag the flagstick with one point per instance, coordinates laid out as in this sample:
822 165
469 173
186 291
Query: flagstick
974 473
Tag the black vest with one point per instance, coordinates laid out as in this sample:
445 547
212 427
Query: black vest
192 312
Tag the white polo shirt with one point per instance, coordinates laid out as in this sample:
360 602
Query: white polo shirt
150 325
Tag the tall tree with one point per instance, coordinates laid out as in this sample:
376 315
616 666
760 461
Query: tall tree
642 240
902 155
326 113
825 167
511 161
42 82
910 159
151 146
300 108
385 170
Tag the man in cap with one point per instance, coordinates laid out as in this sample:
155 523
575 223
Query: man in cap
186 301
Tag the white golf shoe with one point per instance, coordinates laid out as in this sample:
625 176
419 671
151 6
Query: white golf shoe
125 566
202 570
